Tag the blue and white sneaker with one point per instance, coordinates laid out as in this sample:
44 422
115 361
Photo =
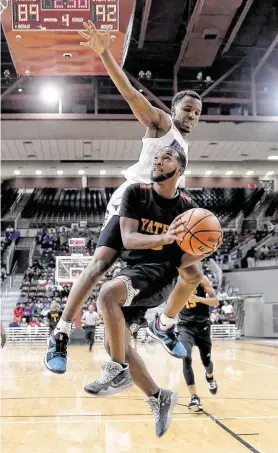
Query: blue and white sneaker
168 338
55 358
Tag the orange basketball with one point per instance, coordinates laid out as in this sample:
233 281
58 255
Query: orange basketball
202 232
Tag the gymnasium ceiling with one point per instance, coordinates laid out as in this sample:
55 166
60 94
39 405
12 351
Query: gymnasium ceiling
227 34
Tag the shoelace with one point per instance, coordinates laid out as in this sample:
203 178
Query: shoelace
61 348
154 405
212 385
108 373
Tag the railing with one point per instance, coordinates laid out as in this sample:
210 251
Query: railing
32 251
39 335
9 257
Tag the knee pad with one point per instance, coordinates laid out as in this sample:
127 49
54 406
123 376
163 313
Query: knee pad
188 371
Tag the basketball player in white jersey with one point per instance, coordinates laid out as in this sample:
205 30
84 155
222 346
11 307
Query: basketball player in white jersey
161 130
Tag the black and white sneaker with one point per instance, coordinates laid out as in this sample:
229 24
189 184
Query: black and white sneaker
212 385
162 408
114 379
195 404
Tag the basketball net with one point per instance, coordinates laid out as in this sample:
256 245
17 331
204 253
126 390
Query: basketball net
3 5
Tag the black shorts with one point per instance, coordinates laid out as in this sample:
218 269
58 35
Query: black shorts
111 236
148 286
197 334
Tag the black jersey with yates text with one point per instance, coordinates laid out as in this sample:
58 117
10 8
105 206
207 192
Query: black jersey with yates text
195 312
155 214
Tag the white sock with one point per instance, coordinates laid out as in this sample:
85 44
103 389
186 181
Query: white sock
165 322
63 326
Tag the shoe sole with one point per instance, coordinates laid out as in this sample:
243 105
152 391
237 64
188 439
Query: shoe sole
174 401
196 409
163 344
213 392
111 391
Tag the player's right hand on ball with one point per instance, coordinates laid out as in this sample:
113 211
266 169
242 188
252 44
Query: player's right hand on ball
96 40
171 235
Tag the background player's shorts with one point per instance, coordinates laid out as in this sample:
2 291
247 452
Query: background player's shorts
194 333
151 285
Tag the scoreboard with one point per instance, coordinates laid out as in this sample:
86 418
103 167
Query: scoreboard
43 38
64 15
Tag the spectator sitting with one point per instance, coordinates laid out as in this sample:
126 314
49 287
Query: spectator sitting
3 273
38 309
227 308
9 230
18 312
24 323
16 323
27 313
34 323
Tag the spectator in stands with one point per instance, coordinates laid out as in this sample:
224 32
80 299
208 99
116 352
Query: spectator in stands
215 316
9 230
18 312
53 315
37 310
27 313
3 272
34 323
227 308
16 323
24 323
251 257
89 323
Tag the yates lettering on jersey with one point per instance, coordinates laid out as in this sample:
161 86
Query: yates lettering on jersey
152 227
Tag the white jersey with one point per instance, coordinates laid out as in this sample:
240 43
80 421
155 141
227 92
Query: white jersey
141 171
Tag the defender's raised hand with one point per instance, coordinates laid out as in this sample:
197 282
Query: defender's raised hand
96 40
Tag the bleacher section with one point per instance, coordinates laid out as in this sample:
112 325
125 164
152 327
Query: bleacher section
56 206
228 203
272 210
8 197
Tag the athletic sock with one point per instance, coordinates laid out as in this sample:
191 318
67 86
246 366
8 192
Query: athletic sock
156 395
165 322
64 327
209 379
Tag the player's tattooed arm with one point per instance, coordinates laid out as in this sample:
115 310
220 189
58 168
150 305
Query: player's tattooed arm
148 115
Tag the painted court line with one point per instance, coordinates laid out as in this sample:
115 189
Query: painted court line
257 364
135 420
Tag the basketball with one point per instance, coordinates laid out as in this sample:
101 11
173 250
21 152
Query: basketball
202 232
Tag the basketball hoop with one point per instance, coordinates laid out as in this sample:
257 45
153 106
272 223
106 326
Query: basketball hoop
3 5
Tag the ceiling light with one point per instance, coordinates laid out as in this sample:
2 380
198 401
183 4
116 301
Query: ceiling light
122 172
187 172
272 157
38 172
229 173
81 172
208 172
102 172
269 173
250 172
17 172
50 94
60 172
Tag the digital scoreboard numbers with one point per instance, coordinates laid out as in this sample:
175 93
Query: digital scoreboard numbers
64 15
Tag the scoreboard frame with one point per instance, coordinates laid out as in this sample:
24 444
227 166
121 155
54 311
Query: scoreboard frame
101 26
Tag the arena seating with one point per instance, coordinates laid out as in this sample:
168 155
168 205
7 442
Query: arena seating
228 203
8 198
54 206
272 209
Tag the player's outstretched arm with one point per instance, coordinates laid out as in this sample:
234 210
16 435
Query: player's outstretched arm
98 41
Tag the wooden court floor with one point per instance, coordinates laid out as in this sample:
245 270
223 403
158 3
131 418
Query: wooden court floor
47 413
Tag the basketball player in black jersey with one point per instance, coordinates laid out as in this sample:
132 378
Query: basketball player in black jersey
194 329
160 127
154 263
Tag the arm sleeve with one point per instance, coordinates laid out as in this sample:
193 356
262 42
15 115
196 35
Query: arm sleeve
131 202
